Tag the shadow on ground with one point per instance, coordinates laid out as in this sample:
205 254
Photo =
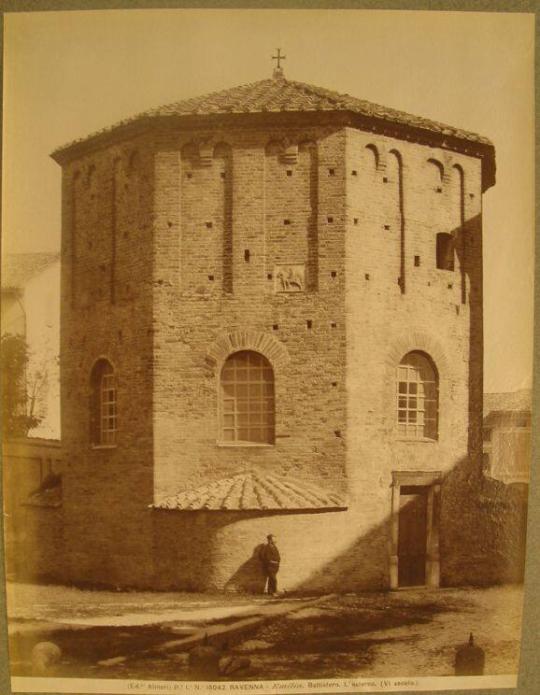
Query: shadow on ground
325 640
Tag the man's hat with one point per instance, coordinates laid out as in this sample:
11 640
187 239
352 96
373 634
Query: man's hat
269 536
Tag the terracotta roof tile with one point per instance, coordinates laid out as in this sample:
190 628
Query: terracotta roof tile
253 491
517 401
282 95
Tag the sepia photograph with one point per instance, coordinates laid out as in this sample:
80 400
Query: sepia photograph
266 350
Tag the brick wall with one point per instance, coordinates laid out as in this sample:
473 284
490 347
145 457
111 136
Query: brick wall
396 222
178 263
107 313
189 319
26 462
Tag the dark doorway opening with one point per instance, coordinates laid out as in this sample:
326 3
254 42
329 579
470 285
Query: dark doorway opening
412 535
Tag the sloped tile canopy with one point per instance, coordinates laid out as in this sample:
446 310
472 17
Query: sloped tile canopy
254 492
51 497
281 96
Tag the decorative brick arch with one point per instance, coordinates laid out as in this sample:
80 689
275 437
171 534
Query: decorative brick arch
379 155
247 339
418 341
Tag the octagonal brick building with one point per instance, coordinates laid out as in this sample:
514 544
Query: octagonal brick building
272 323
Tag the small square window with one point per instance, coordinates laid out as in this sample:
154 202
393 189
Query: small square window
309 323
275 327
222 174
366 276
211 278
189 175
289 172
331 172
269 276
330 220
438 189
417 261
209 225
355 220
286 222
385 179
387 226
333 324
333 273
354 172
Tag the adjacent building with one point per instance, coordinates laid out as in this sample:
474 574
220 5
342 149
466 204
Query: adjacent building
507 436
30 308
30 291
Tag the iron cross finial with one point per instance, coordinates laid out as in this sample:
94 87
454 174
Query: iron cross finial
279 58
278 71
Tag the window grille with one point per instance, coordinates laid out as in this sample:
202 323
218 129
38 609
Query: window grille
417 397
104 404
247 399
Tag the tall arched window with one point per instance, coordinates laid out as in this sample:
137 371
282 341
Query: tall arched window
247 399
417 397
103 421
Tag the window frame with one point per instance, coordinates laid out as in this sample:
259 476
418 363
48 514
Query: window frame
410 428
268 423
103 405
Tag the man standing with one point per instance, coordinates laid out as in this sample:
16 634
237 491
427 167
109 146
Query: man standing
270 559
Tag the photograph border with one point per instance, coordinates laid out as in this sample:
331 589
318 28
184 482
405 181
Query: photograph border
529 674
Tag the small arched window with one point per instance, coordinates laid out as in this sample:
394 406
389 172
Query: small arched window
417 397
445 251
103 421
247 399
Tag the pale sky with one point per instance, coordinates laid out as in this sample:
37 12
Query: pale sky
68 74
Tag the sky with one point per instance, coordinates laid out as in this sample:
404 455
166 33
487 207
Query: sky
68 74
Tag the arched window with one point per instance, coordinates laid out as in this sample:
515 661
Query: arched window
247 399
417 397
445 251
103 421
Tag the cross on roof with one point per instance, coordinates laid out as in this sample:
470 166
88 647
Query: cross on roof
279 57
278 70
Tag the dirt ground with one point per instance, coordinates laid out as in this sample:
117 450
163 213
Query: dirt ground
404 633
409 633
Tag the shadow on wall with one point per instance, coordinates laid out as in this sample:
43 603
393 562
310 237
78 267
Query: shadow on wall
482 536
249 576
482 541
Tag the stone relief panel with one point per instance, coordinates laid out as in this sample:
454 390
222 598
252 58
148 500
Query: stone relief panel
290 278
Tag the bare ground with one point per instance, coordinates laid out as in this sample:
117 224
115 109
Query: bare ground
404 633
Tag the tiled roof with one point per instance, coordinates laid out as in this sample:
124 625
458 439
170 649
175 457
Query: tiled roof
281 95
507 401
48 494
46 498
19 268
253 491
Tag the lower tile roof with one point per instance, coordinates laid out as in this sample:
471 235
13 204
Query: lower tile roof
254 491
